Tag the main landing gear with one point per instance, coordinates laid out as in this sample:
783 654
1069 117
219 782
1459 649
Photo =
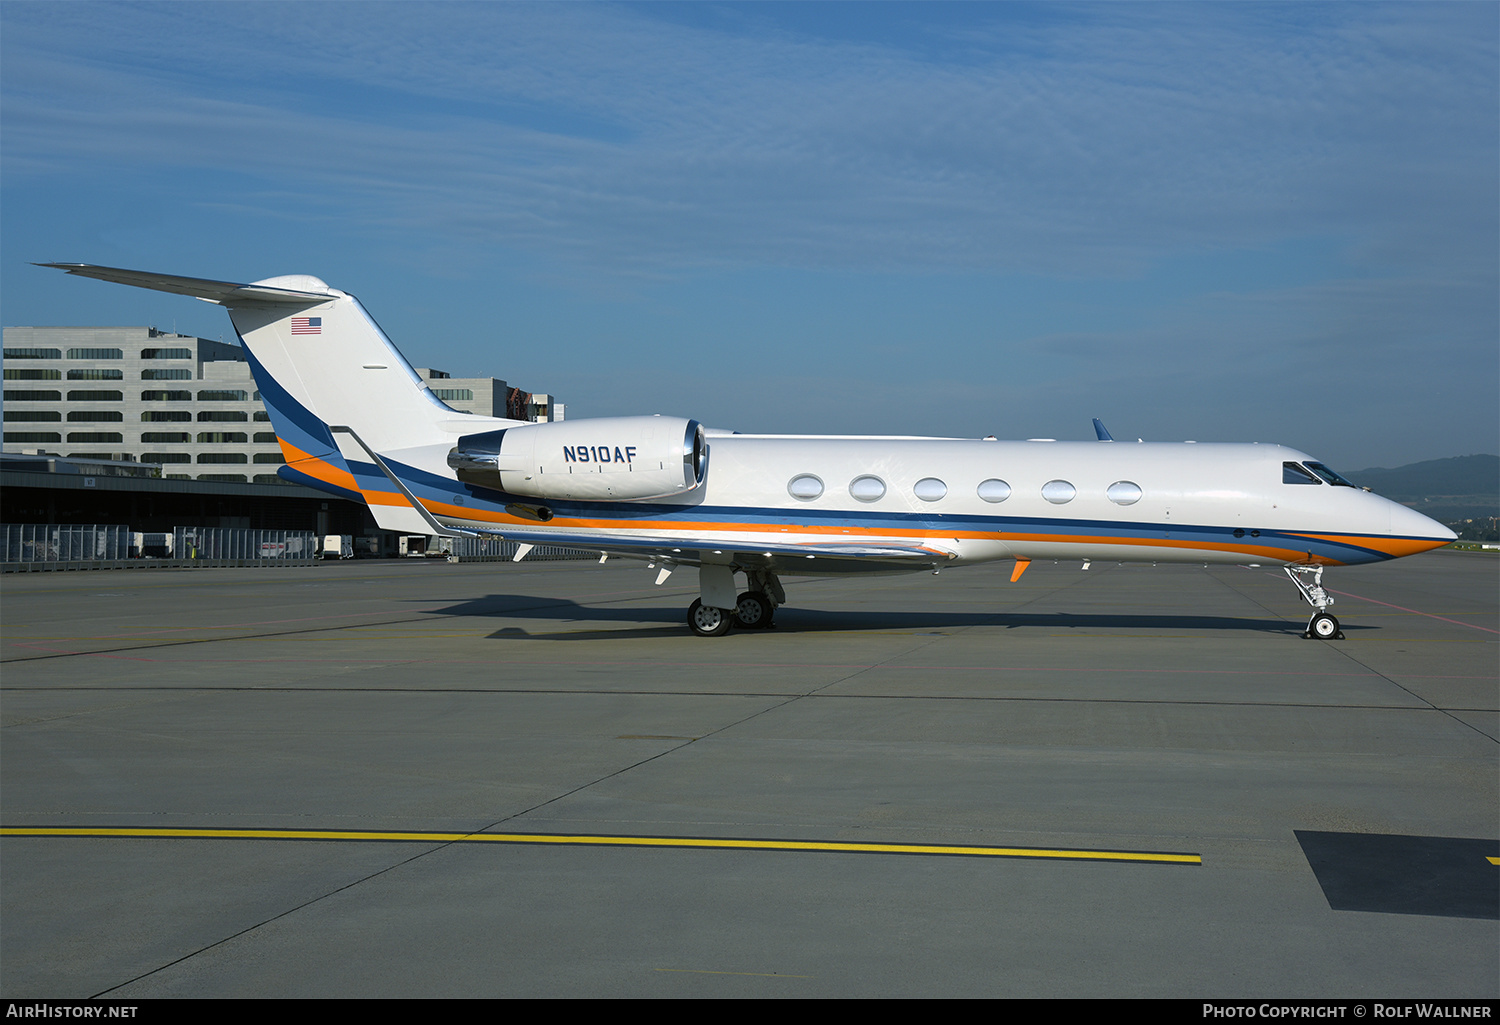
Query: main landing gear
1323 626
754 609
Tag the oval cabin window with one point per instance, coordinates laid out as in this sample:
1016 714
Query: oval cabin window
994 490
1058 492
805 486
1124 492
930 489
867 488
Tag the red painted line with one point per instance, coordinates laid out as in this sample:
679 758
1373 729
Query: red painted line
1416 612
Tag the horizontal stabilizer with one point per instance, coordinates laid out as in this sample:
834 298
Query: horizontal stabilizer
225 293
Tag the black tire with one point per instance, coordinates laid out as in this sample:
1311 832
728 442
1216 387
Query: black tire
1324 627
707 621
753 611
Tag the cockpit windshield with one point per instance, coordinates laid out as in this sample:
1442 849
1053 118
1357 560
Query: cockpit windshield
1329 475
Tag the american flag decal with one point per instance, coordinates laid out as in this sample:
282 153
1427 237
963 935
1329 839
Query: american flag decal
307 325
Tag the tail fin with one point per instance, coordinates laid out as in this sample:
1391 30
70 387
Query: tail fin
319 361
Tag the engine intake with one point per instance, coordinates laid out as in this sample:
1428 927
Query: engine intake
623 458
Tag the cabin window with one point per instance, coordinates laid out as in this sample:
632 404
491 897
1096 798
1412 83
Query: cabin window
805 486
867 488
1058 492
1330 476
930 489
994 490
1293 473
1124 492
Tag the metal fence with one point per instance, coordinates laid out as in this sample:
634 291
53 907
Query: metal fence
53 542
92 546
496 549
240 544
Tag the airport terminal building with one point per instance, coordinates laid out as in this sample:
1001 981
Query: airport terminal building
158 431
188 405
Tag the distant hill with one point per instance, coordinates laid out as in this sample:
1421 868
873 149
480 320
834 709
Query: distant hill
1459 488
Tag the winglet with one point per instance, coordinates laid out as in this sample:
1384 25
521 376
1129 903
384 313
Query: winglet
1100 431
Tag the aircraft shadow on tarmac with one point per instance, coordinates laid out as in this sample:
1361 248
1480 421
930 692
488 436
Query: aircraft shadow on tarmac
574 619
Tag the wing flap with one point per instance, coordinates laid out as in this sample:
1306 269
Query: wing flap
787 558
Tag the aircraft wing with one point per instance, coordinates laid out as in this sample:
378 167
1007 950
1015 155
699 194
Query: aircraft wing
833 557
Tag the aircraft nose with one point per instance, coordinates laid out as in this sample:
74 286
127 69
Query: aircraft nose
1407 522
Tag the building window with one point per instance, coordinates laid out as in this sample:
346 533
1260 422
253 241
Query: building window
223 457
450 394
95 375
33 354
21 395
95 395
261 416
32 436
166 396
222 395
166 375
157 437
80 437
166 457
95 354
35 416
224 416
166 354
223 478
112 416
268 457
32 375
166 416
221 437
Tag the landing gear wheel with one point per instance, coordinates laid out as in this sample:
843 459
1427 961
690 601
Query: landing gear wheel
753 611
707 621
1324 627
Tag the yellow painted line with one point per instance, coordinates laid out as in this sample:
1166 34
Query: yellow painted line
1493 861
583 840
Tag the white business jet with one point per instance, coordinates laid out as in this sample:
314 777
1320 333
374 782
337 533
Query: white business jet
354 419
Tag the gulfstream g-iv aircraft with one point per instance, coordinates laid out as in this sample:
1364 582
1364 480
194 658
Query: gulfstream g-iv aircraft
355 420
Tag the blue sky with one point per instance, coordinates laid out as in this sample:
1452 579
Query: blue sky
1219 222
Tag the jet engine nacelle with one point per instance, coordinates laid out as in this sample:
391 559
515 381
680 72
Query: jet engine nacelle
620 458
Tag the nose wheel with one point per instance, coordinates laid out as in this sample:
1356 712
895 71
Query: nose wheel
1323 627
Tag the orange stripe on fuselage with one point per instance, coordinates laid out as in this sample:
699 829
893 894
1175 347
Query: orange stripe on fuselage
1395 547
1390 546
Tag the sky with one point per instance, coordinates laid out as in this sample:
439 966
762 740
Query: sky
1218 222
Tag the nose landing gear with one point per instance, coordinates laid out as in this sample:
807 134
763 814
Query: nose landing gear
1323 626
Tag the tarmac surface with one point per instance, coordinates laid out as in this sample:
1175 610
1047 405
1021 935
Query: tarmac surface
1337 803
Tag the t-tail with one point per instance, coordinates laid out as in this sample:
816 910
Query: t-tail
343 401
